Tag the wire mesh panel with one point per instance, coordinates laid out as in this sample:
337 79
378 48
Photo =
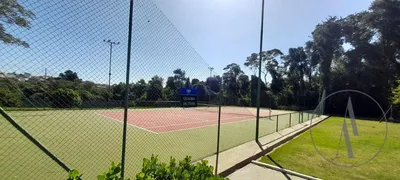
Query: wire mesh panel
21 159
61 76
170 93
306 116
283 121
295 118
64 79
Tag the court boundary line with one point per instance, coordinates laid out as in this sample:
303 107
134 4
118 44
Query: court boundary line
150 131
194 122
205 126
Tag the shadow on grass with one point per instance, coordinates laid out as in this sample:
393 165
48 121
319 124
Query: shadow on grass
277 164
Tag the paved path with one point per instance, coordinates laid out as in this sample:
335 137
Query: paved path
252 171
235 162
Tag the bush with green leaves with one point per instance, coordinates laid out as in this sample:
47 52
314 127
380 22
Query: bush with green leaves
9 98
153 169
65 98
113 173
74 175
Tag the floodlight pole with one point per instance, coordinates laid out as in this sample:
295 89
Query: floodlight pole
211 69
259 72
111 43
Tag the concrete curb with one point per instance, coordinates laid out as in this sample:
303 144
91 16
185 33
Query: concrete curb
285 170
262 152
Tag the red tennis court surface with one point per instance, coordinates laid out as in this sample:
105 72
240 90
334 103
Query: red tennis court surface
167 120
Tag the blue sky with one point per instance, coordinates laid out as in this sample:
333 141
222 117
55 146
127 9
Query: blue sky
168 34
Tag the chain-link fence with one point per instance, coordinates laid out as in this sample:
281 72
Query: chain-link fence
64 94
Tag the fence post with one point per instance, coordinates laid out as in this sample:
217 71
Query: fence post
128 59
259 73
290 120
219 127
308 116
277 122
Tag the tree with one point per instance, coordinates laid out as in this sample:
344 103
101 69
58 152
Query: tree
69 76
13 13
327 38
244 85
267 57
139 88
8 98
296 62
187 83
179 77
195 81
253 88
214 83
65 98
396 94
233 71
384 17
201 92
154 88
118 91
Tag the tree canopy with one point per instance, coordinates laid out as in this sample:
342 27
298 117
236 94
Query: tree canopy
14 14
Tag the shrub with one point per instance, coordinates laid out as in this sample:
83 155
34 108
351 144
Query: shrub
152 169
185 169
65 98
112 174
9 98
74 175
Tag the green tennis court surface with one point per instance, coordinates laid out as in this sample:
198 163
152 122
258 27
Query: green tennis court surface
88 141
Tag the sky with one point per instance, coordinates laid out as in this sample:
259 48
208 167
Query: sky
167 34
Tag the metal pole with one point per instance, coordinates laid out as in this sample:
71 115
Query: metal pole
290 120
218 135
259 72
277 122
126 89
109 70
111 43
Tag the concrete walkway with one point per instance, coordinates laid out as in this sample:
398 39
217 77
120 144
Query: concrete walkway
241 156
252 171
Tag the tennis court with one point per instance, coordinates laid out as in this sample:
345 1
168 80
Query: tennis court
90 139
174 119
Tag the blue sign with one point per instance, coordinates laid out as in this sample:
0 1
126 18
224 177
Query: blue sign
188 91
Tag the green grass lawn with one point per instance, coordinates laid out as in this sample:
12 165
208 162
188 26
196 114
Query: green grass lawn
300 154
87 141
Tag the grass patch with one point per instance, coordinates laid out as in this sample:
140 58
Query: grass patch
300 154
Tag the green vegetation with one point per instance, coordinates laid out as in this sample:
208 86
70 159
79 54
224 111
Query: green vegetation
153 169
300 155
13 13
299 75
184 169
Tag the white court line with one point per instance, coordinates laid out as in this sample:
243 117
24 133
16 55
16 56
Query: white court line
203 120
222 123
127 123
186 117
177 124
